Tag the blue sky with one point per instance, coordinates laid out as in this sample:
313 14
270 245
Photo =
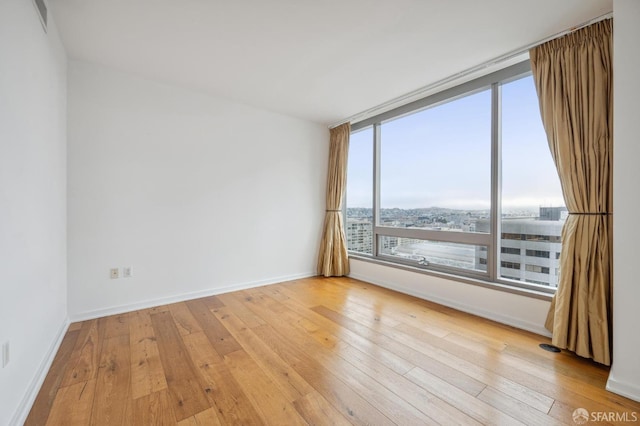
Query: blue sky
441 156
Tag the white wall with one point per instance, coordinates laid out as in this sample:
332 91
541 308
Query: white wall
33 303
199 195
519 311
625 371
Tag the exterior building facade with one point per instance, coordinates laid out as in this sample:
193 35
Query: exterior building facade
529 250
359 235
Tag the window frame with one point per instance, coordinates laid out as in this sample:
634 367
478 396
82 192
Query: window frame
490 240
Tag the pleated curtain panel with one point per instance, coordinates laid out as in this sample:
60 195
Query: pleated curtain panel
333 260
573 77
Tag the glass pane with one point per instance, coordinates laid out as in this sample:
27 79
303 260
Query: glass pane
359 230
533 210
436 166
435 253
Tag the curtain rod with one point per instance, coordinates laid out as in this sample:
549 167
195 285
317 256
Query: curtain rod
492 62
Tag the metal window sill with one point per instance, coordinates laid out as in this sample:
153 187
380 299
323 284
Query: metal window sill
527 292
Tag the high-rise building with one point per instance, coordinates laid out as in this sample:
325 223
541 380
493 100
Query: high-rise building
359 235
529 247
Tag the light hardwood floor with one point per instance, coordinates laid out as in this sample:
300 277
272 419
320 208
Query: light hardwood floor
314 351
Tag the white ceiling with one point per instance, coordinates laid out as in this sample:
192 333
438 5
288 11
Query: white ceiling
322 60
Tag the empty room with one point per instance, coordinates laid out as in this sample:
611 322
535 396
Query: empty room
289 212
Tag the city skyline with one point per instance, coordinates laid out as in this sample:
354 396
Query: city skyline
528 250
533 210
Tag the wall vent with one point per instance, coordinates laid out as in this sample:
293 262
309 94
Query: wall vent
41 7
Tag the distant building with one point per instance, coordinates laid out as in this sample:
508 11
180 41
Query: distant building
359 235
553 213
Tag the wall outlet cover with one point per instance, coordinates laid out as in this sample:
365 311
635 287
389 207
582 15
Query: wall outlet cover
5 354
114 273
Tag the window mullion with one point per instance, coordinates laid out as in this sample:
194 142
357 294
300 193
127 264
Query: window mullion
496 180
474 238
376 187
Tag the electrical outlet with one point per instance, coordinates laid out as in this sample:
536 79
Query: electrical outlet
127 272
5 354
114 273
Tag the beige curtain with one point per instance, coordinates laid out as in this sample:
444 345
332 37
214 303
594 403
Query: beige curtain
333 260
573 77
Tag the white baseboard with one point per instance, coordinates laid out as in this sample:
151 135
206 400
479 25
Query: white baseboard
494 316
628 390
98 313
20 416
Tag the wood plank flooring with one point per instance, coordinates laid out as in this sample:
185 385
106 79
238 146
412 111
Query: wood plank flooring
318 351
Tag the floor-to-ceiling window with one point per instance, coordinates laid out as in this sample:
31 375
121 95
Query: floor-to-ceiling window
461 182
